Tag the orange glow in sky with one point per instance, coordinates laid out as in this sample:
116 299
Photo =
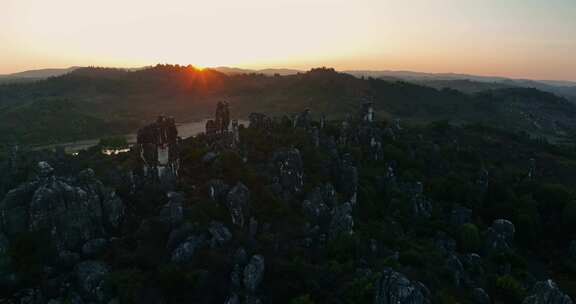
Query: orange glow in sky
517 38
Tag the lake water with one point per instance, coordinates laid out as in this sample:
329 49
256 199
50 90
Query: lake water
185 130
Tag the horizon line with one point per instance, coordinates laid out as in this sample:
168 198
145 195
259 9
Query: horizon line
573 81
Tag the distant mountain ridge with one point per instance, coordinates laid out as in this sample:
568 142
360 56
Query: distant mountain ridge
466 83
91 102
463 82
40 74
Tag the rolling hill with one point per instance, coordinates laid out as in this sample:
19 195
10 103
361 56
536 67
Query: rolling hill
91 102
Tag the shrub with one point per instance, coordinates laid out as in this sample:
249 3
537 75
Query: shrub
509 289
303 299
412 258
126 284
470 238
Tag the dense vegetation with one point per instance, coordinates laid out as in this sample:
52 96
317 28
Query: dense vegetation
446 159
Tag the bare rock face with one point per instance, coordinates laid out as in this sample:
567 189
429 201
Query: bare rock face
219 233
237 202
260 121
211 127
173 211
254 273
479 296
367 111
392 288
90 276
185 251
342 221
72 210
157 147
547 292
217 190
421 206
303 120
289 171
222 118
500 235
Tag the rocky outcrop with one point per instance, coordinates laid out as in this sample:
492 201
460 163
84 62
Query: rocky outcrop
547 292
479 296
302 120
260 121
222 117
367 111
90 279
393 287
288 171
158 149
217 190
319 203
72 210
173 211
254 273
219 233
500 235
185 250
237 202
342 221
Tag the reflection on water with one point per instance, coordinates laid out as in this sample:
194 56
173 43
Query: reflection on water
184 130
113 151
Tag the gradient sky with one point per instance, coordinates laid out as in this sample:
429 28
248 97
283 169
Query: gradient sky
518 38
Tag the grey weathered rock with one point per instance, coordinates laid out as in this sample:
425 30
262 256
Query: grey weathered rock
232 299
237 202
547 292
500 235
30 296
73 210
220 233
222 117
217 190
392 288
479 296
252 299
259 121
303 119
44 169
288 170
173 211
456 269
185 251
254 273
178 235
90 277
315 210
158 148
421 206
342 221
367 111
473 265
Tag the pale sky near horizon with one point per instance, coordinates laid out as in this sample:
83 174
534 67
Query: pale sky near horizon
516 38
